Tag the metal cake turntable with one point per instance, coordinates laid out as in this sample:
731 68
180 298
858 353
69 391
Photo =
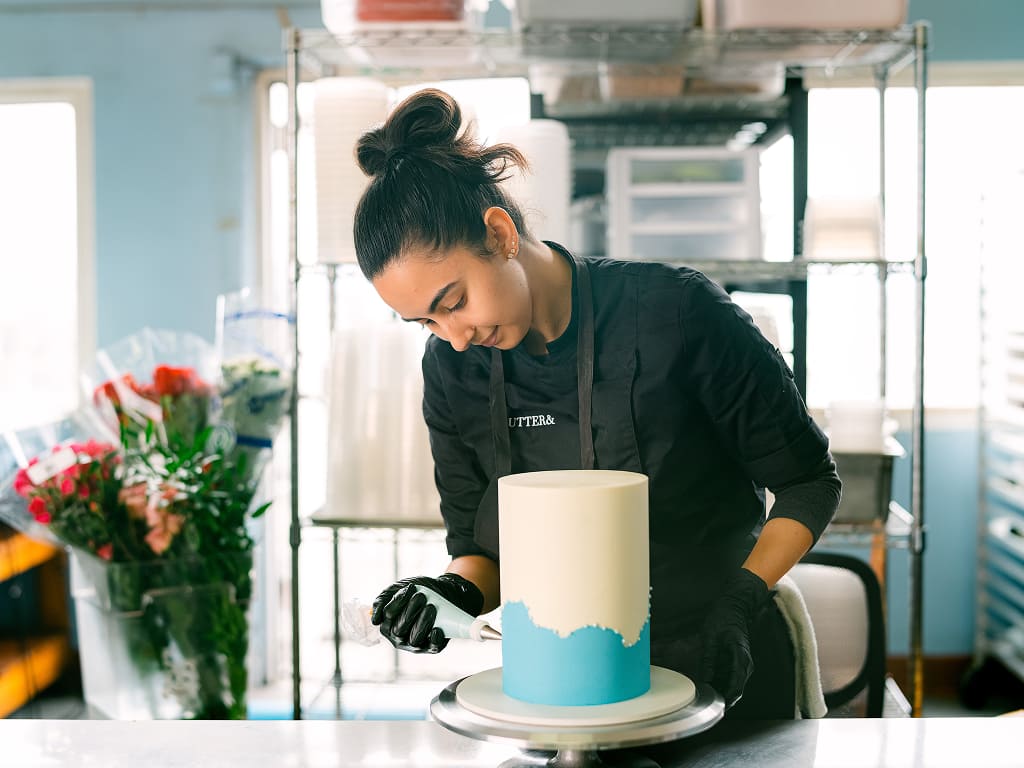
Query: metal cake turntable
674 708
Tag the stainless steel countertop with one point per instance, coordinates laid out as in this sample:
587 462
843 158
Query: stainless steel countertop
902 743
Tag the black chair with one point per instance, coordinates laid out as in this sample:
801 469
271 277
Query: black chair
844 601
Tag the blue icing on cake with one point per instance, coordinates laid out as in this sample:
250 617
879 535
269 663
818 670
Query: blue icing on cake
590 666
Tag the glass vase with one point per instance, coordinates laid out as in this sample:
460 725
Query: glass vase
163 639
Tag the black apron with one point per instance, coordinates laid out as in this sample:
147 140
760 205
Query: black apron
769 692
584 384
611 394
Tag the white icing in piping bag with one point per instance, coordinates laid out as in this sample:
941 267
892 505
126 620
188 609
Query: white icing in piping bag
455 622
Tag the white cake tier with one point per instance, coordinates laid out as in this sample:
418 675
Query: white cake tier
574 549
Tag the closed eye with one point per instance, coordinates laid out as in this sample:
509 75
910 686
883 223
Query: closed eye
426 321
458 305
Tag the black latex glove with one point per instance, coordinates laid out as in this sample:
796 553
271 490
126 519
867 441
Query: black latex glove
726 662
407 621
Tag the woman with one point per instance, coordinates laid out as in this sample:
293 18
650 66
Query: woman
542 360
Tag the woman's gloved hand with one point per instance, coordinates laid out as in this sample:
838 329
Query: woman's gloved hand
407 621
726 662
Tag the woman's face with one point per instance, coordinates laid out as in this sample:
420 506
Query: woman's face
463 298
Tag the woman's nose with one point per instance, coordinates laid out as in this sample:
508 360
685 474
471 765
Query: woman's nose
459 335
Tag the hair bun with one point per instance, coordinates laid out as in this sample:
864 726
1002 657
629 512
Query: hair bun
372 152
426 122
429 119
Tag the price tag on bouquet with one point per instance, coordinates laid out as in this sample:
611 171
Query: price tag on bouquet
51 465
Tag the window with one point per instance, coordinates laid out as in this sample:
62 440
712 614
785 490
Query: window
47 285
968 144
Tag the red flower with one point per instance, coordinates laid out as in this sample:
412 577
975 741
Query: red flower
67 486
168 380
106 551
38 509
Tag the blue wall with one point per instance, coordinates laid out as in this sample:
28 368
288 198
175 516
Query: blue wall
173 148
950 559
175 208
983 30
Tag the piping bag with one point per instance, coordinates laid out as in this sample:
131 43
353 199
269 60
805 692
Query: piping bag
453 621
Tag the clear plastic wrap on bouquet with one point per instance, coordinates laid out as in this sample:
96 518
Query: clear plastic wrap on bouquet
149 489
255 347
181 388
158 378
45 451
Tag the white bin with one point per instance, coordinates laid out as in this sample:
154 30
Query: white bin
803 14
586 12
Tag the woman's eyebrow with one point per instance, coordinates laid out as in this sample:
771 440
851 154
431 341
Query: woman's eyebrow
436 300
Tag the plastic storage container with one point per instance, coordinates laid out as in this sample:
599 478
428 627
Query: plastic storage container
410 10
683 204
342 16
867 483
586 12
803 14
632 82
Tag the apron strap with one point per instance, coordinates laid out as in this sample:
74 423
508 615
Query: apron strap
585 363
584 383
499 417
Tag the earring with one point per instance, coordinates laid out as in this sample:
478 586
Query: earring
512 253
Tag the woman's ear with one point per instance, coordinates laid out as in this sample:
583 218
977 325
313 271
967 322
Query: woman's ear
502 236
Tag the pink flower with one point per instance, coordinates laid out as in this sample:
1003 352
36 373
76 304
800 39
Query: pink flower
163 524
67 486
163 527
134 499
22 485
106 552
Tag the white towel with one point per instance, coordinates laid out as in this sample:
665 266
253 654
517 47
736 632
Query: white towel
810 700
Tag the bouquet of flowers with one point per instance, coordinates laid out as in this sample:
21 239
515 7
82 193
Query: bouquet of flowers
155 496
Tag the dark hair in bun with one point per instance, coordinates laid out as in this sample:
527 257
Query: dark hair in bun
430 183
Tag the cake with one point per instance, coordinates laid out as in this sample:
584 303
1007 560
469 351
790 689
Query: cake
575 587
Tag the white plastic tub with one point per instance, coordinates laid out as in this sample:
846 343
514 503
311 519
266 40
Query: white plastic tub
533 12
803 14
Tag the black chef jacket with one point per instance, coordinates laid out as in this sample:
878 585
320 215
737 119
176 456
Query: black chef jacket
685 390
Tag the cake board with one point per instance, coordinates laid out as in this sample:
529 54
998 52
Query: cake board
577 741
